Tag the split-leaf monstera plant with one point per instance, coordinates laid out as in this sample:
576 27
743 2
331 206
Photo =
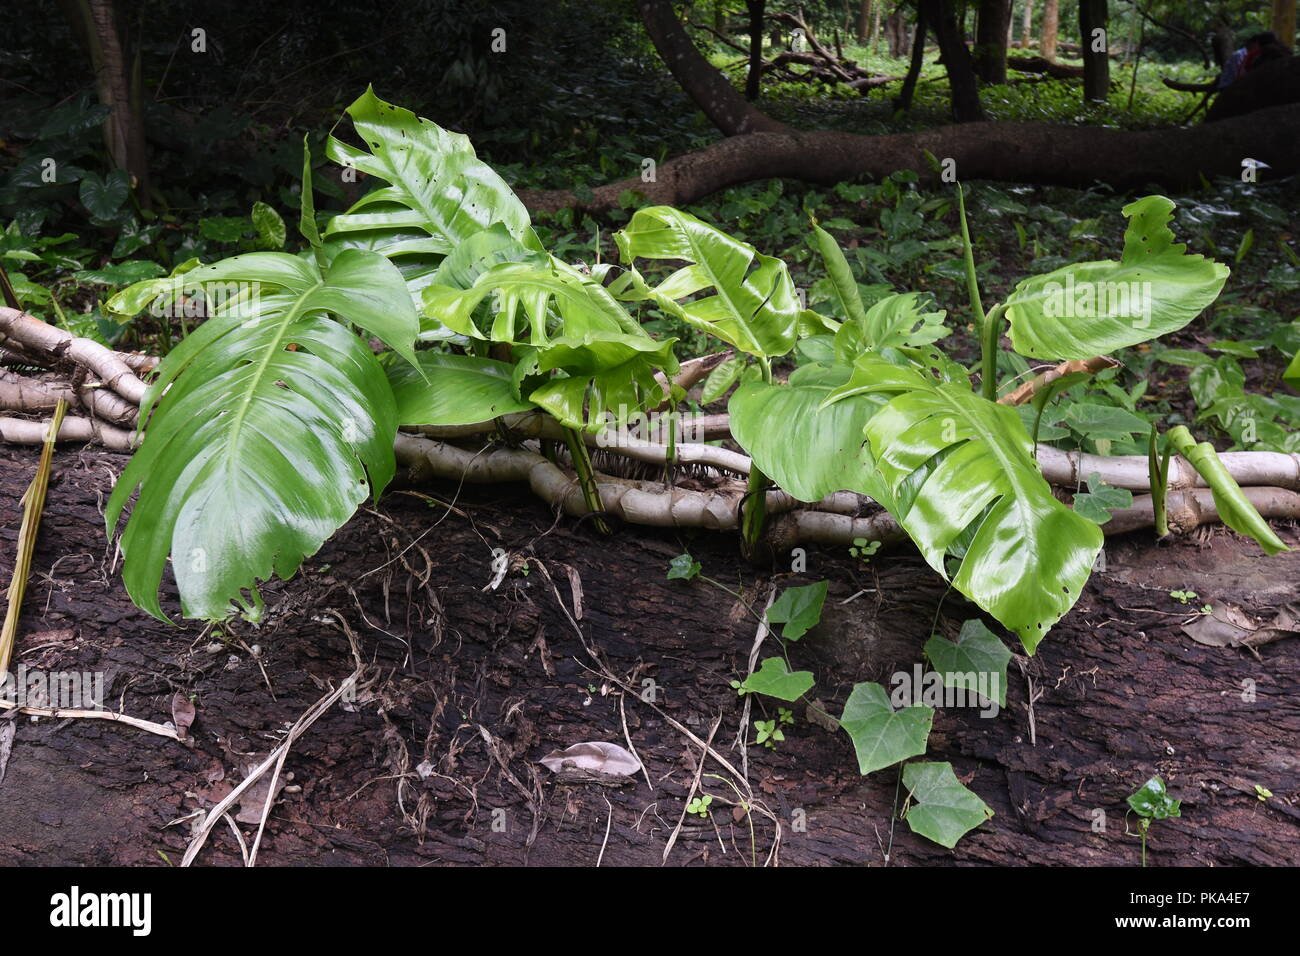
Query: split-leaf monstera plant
274 419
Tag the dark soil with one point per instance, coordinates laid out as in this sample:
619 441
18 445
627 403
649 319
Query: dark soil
466 689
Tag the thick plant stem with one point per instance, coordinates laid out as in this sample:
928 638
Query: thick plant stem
1158 470
753 512
990 333
586 477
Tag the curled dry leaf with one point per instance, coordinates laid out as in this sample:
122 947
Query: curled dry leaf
1229 626
182 713
593 757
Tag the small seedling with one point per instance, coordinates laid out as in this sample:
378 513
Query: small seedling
1183 597
700 806
769 734
785 715
1263 793
1152 802
864 549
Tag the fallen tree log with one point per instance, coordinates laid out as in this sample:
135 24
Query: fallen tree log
1017 152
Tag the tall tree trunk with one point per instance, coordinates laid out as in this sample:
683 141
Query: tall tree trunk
95 23
875 21
725 107
992 29
903 102
1095 45
1051 24
1284 20
864 21
1027 25
956 58
754 78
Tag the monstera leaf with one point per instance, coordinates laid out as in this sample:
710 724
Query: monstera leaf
817 449
531 300
439 192
967 463
1091 308
752 304
445 389
266 427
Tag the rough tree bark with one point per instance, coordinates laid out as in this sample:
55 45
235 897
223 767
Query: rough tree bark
991 33
941 17
725 107
1093 17
1027 25
756 9
864 21
1051 24
904 99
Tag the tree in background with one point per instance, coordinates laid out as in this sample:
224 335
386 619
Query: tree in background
1284 20
991 32
1095 45
1051 24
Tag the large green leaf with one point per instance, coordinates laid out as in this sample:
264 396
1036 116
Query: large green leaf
808 448
752 304
881 735
1091 308
266 427
453 390
1235 509
439 194
976 652
1029 555
894 321
1292 374
942 809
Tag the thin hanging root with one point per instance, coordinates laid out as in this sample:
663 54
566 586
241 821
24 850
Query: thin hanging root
33 505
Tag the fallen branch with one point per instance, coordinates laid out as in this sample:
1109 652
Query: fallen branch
162 730
1039 382
31 333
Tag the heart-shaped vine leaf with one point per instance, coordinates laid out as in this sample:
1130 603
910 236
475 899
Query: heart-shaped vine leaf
1153 802
881 735
977 660
775 679
798 609
942 809
1091 308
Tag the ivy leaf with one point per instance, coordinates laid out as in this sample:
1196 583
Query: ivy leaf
775 679
1153 802
798 609
943 810
684 567
269 226
881 735
977 651
1094 504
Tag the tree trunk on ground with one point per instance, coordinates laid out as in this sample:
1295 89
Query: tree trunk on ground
725 107
1284 20
1051 24
754 79
903 101
991 34
1041 153
1095 44
941 17
864 21
1027 25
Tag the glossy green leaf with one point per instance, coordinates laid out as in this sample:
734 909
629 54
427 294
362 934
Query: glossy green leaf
942 809
751 301
1030 555
1091 308
775 679
453 390
881 735
799 609
269 225
978 657
894 321
817 449
848 300
104 195
1235 509
683 568
439 192
266 427
1152 801
721 379
1292 374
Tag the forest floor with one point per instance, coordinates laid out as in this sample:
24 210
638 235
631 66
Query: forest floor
467 687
